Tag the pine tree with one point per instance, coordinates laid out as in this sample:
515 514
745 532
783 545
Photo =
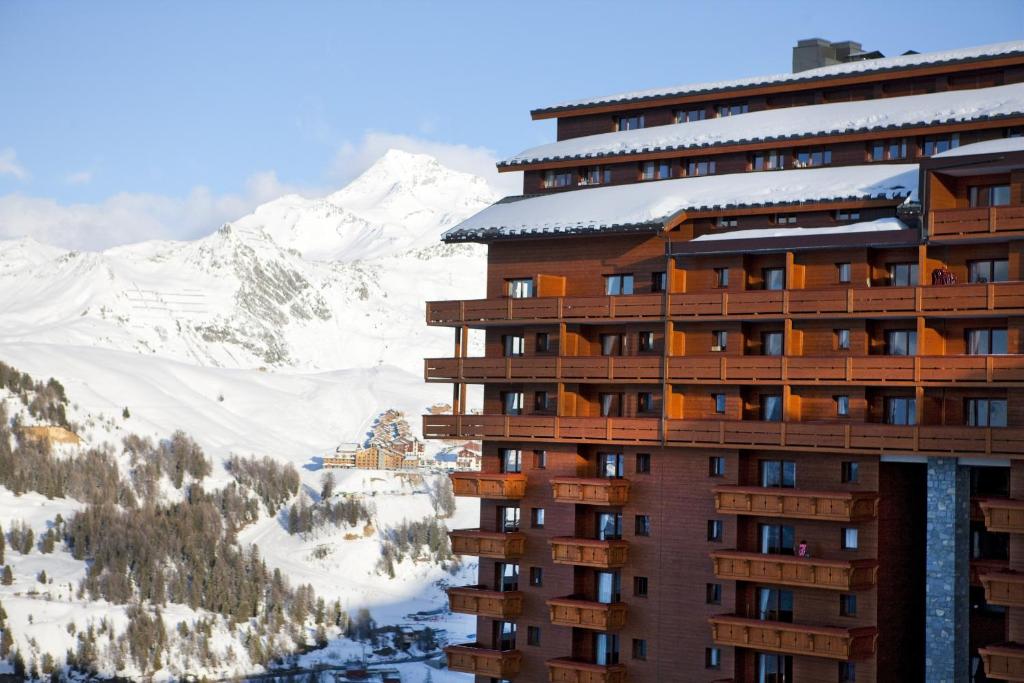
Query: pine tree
3 545
126 413
8 576
6 643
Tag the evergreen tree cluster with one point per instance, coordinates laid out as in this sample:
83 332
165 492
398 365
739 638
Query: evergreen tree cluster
275 483
304 517
174 457
426 539
46 402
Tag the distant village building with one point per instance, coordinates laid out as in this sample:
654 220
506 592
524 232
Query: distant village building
468 459
49 434
344 457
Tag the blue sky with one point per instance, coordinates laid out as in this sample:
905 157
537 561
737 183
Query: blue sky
126 120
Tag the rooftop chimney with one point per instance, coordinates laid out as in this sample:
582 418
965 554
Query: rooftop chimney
812 53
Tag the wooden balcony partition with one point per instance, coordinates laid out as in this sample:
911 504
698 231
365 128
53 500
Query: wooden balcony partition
997 221
836 506
482 602
481 661
1003 662
1003 515
590 490
498 546
568 670
787 570
1004 588
589 552
489 485
589 614
794 639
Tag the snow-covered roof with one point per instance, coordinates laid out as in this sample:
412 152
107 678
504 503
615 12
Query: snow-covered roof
653 205
988 147
835 70
880 225
889 114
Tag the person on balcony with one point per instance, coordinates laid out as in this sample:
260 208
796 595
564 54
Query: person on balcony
802 550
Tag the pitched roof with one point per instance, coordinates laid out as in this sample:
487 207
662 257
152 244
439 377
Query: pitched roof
988 147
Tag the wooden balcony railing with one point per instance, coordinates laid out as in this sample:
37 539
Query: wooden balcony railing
1003 662
482 602
794 639
489 485
836 506
1004 588
590 491
568 670
787 570
980 567
589 552
857 301
498 546
995 220
1003 514
480 661
590 614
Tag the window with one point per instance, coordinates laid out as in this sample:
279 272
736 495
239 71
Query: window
699 167
618 284
645 342
778 473
903 274
850 472
511 460
612 344
721 277
537 518
536 576
611 465
842 340
771 407
987 340
540 460
520 288
507 574
533 635
847 672
687 115
877 152
719 340
990 195
719 400
557 178
889 150
992 270
512 402
640 586
606 649
774 604
715 530
543 342
771 343
513 344
659 281
810 157
505 635
843 272
631 122
595 175
727 222
508 519
900 342
609 526
716 466
713 594
847 215
611 404
712 658
848 538
774 278
639 648
784 219
934 144
847 605
609 587
655 170
642 525
768 161
541 401
645 402
733 109
643 463
985 412
774 668
897 149
776 539
900 410
842 406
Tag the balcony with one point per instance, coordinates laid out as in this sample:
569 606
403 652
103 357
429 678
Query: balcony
640 430
832 506
803 572
482 602
567 670
1003 662
995 221
480 661
794 639
494 545
1003 514
591 614
589 552
489 485
1004 588
590 491
568 368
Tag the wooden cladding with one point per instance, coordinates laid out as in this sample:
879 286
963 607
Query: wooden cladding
965 298
567 670
494 545
589 552
794 639
1003 515
787 570
1004 588
588 614
481 602
836 506
1003 662
997 221
590 491
489 485
480 661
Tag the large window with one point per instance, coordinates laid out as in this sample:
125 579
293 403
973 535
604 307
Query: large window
606 649
611 404
774 278
557 178
773 668
776 539
889 150
716 466
645 342
811 157
612 344
645 403
900 342
771 343
512 402
903 274
630 122
985 412
505 635
771 407
511 460
719 340
659 281
699 167
609 526
618 284
900 410
513 344
733 109
519 288
508 519
611 465
655 170
988 270
990 195
687 115
769 161
595 175
935 144
507 575
778 473
774 604
987 340
609 587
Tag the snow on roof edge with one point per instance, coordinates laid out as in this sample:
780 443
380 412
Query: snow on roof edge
1015 144
887 224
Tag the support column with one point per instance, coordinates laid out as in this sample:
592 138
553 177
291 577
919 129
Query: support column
947 573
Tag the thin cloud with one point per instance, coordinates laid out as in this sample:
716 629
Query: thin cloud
9 164
78 178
